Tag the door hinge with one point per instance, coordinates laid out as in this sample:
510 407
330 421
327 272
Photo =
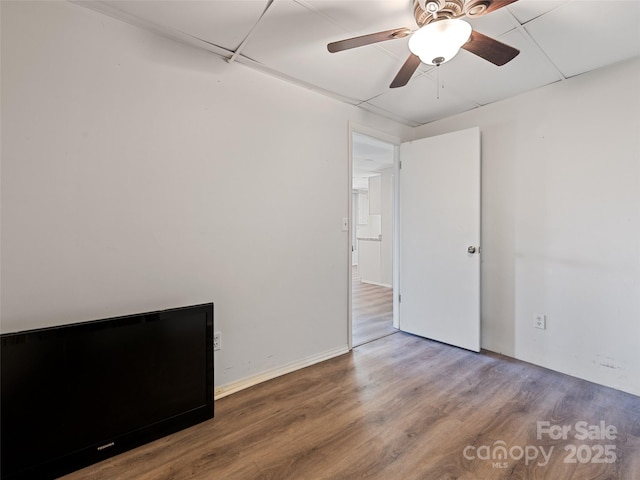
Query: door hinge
400 165
400 298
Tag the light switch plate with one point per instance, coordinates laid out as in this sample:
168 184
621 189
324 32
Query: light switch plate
540 321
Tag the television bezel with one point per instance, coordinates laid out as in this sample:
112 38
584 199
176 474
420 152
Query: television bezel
126 440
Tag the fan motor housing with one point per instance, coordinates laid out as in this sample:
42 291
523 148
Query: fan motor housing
447 9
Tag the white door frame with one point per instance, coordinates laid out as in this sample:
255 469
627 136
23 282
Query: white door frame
395 141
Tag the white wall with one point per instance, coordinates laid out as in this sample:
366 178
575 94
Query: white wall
140 174
386 209
561 224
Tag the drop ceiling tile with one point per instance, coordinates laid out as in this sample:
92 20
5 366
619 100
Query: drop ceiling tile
222 22
418 101
301 52
365 16
527 10
483 82
579 37
397 49
495 23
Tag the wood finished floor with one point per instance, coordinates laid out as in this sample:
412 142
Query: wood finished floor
397 408
371 311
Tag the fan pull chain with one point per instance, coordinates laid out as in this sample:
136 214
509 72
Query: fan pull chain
437 82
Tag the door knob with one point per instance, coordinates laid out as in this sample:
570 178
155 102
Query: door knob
471 249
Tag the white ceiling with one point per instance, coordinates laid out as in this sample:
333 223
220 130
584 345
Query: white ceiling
558 39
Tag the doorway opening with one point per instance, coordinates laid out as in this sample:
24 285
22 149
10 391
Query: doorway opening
372 238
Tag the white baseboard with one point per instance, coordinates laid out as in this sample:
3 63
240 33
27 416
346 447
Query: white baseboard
233 387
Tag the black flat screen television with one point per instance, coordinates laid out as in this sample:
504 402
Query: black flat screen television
73 395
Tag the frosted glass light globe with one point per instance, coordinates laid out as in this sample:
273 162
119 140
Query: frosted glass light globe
439 41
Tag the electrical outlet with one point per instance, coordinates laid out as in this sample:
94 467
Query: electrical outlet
540 321
216 340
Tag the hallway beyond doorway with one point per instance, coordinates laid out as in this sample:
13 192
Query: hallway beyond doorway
372 310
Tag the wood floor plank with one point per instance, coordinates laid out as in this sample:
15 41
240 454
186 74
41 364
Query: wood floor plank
400 407
371 311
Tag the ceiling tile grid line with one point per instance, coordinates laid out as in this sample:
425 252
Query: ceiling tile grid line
287 39
431 71
355 32
107 8
168 32
541 52
369 107
380 47
521 27
240 48
532 10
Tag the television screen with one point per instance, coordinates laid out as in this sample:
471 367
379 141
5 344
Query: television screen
76 394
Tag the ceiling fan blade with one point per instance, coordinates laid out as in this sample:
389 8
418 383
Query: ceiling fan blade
496 4
368 39
490 49
406 71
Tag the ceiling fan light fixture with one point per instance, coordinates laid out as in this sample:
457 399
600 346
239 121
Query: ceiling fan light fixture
438 42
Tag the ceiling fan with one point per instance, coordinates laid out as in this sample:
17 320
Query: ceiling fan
441 34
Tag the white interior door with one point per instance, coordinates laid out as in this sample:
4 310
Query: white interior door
440 238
